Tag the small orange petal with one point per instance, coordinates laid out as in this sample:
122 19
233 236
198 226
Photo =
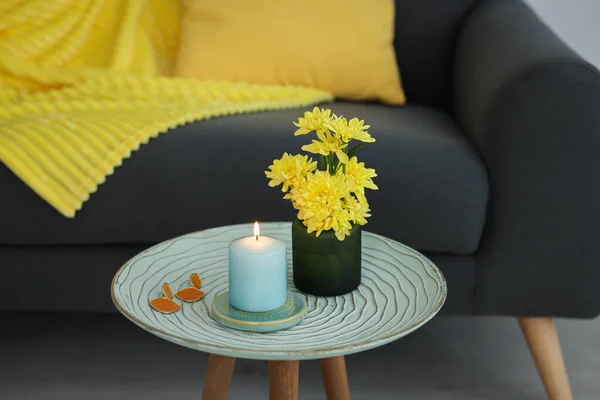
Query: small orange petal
167 292
195 280
164 305
190 294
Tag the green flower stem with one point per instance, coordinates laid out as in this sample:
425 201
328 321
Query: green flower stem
330 161
323 163
337 167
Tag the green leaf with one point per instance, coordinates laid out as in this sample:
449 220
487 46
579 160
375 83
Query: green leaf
356 148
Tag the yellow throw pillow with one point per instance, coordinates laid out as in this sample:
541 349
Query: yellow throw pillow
343 46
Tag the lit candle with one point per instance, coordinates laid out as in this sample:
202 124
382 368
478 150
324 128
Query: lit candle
257 273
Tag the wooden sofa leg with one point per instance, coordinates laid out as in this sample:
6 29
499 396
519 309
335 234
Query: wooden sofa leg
544 345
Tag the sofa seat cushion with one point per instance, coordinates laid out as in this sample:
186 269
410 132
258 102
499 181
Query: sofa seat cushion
433 185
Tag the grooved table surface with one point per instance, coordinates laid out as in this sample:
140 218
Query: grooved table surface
400 291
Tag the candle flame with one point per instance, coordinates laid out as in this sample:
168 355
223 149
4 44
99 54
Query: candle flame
256 230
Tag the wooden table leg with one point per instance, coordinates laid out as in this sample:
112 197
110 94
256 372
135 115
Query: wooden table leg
335 379
218 376
283 380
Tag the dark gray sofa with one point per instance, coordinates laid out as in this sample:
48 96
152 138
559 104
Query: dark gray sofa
492 170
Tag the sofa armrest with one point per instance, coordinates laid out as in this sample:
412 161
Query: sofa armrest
532 107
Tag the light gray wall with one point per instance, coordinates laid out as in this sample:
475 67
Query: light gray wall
576 21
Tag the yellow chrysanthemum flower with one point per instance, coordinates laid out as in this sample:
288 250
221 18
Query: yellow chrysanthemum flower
327 144
347 131
334 197
313 121
344 225
358 211
363 178
320 204
290 170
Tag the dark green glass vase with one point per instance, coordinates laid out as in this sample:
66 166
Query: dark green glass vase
324 265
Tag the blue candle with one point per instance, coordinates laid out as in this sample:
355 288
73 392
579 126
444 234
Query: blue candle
257 273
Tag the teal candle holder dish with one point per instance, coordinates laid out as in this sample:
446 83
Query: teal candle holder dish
284 317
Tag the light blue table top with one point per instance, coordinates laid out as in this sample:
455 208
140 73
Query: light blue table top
400 291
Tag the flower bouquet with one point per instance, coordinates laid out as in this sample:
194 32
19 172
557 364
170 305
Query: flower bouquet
329 195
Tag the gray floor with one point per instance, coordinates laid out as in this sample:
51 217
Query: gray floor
64 356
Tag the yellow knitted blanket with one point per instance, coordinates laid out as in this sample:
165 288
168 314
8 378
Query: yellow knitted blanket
83 83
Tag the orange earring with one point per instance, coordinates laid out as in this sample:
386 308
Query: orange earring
193 293
165 304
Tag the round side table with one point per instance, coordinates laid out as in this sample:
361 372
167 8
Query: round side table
400 291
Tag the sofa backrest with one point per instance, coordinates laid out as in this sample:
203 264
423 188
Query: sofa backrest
426 31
